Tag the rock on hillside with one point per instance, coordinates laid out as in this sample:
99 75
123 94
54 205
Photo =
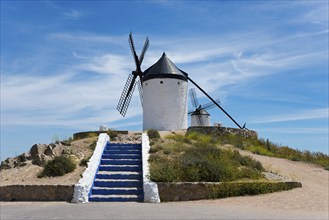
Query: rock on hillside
24 168
40 154
130 138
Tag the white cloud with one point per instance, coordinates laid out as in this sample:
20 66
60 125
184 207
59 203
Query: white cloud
322 113
73 14
108 64
296 130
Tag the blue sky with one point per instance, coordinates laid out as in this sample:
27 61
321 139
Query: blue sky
64 64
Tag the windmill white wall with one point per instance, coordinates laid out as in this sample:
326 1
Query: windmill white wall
165 104
195 121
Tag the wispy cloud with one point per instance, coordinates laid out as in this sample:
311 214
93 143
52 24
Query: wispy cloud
73 14
296 130
322 113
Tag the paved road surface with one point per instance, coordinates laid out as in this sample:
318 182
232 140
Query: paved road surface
210 209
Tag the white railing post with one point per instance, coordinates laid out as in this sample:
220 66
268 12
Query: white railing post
151 191
83 187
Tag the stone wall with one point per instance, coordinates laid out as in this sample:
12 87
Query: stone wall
206 190
224 130
36 193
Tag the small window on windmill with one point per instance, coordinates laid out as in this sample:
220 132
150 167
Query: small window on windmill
146 84
161 82
178 83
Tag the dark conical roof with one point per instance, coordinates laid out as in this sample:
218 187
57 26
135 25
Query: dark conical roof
200 112
164 68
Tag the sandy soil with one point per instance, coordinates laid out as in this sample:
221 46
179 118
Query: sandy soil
163 134
27 175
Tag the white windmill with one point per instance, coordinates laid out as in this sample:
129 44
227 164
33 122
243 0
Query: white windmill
199 116
163 92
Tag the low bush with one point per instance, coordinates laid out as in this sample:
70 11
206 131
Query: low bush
113 134
180 138
202 161
265 147
59 166
153 134
84 162
67 142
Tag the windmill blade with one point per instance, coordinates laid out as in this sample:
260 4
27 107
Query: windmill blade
126 95
133 51
140 89
210 105
193 98
227 114
146 46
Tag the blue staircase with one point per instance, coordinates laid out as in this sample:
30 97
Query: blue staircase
119 177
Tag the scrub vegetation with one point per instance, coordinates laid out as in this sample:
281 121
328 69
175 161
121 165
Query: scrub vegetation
197 158
268 148
59 166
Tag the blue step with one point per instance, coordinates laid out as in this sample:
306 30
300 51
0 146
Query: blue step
120 162
117 191
125 145
121 156
131 168
117 199
122 152
123 148
119 176
123 183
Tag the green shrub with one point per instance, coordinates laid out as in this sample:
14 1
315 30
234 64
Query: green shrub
22 164
4 166
180 138
68 141
202 161
113 134
84 162
200 137
153 134
21 158
59 166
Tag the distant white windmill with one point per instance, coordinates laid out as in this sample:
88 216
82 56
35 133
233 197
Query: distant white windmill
199 116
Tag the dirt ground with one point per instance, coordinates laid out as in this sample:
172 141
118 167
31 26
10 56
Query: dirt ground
27 175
